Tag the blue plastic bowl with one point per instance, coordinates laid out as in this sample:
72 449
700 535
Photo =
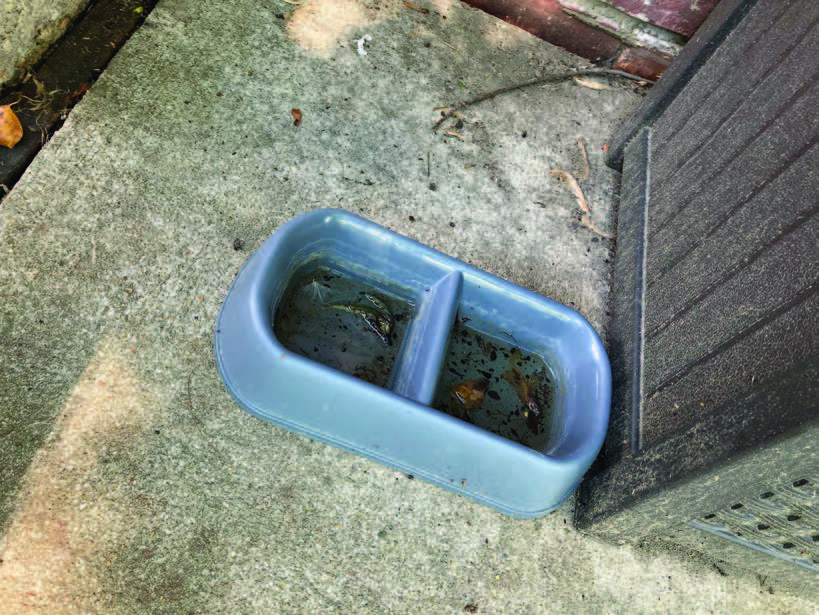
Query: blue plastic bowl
397 422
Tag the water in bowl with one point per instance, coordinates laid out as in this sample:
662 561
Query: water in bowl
343 322
497 386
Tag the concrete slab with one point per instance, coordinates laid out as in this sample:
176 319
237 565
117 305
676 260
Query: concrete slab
131 483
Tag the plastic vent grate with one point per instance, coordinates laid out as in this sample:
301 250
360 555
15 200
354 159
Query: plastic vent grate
782 522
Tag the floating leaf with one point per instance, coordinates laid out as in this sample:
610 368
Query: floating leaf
296 116
11 131
469 394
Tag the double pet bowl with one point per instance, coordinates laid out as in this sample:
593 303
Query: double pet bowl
349 333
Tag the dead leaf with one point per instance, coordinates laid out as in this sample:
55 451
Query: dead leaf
11 131
296 116
592 84
417 9
577 192
571 183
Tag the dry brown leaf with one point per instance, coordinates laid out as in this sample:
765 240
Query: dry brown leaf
592 84
296 113
577 192
11 131
571 183
417 9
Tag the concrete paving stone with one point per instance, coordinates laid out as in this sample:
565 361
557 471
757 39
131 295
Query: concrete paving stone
130 481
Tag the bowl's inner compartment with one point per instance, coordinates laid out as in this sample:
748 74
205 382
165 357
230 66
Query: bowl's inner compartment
342 321
499 387
351 323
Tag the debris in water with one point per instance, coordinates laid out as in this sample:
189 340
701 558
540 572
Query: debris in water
525 388
316 290
473 389
351 341
378 318
366 374
467 395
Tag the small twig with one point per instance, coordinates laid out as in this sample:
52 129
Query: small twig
550 79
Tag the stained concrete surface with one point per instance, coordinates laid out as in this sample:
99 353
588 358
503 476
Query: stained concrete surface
131 482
